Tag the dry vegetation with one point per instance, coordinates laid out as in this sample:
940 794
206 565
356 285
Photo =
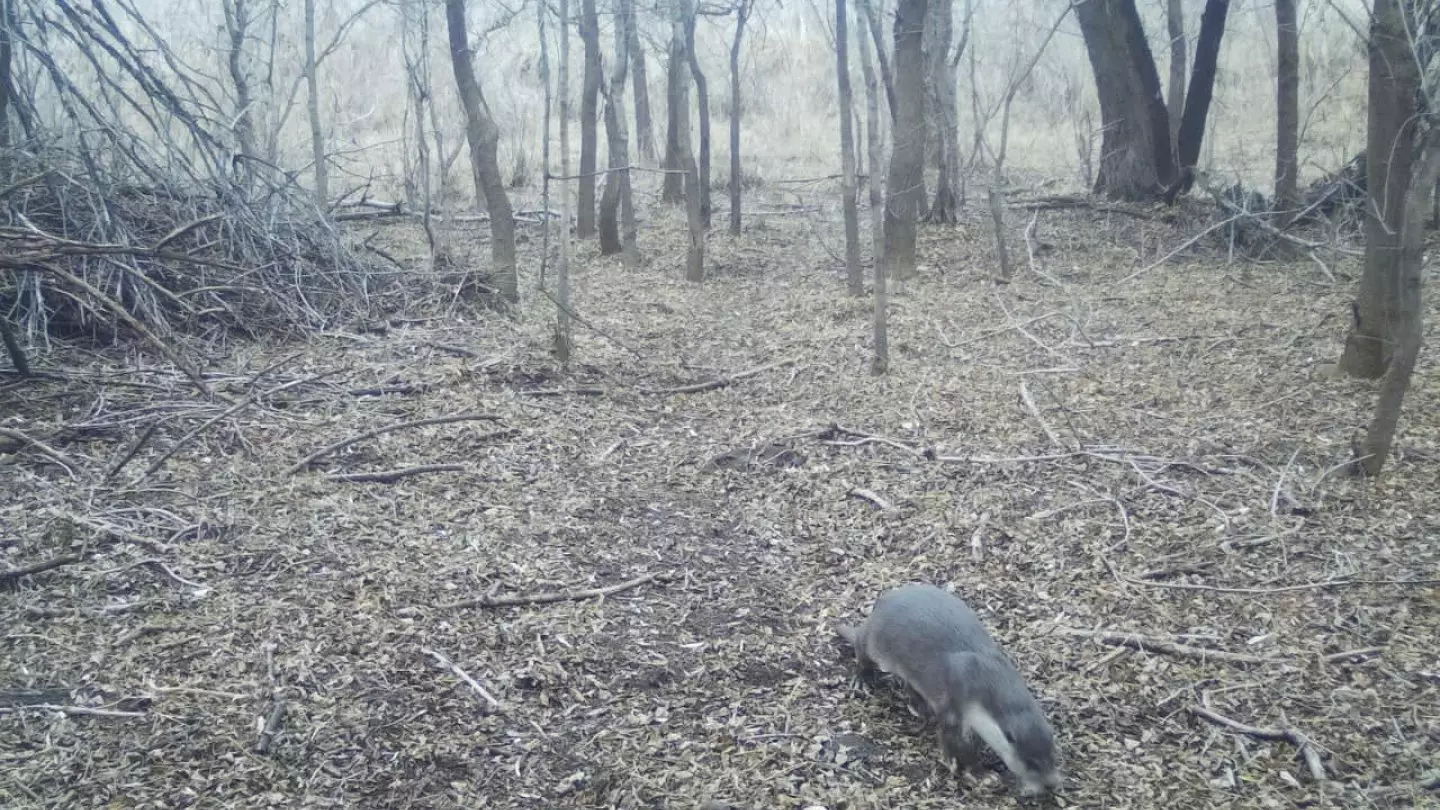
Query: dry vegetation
1184 496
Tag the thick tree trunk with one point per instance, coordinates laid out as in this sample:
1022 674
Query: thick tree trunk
907 161
880 326
702 100
312 88
1175 98
1389 156
679 98
1287 110
1197 98
853 276
1136 161
677 114
589 107
484 139
742 14
618 237
644 124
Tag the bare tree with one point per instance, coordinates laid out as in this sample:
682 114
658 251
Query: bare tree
1197 98
877 37
484 138
742 14
1136 162
618 237
880 360
1403 165
589 107
644 126
237 25
1287 109
677 114
1175 97
564 341
907 160
416 56
312 105
702 99
854 278
679 102
945 117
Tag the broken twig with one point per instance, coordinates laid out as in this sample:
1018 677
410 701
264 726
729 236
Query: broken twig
563 596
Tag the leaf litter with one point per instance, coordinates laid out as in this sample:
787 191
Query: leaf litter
1137 485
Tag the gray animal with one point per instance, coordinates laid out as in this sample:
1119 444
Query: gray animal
936 644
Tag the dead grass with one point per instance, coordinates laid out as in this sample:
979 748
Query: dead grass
1190 500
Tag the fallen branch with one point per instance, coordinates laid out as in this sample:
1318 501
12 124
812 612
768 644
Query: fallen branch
464 676
560 392
74 711
370 434
722 381
866 495
391 476
1298 739
1304 586
8 578
41 447
1145 644
564 596
271 727
1035 412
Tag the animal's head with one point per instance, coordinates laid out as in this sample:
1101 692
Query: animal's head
1032 743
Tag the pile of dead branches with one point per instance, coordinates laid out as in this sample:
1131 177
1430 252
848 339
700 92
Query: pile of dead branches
125 211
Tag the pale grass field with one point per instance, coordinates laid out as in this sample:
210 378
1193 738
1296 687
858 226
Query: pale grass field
790 126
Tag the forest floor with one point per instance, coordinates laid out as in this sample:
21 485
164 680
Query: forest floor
1136 480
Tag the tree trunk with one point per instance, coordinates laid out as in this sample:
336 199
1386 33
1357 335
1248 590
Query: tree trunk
1407 326
907 161
943 119
1136 162
563 343
880 327
877 37
644 124
618 237
1197 99
1175 109
1287 110
742 14
683 12
1389 156
589 107
237 24
317 134
702 99
484 139
677 114
853 276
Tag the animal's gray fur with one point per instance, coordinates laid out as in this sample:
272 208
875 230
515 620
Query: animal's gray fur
935 643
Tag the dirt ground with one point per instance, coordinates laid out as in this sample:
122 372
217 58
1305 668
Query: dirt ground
1135 479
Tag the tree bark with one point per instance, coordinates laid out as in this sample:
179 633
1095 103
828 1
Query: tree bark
877 37
1287 110
683 13
484 139
563 342
944 119
742 14
677 114
589 109
907 161
312 88
702 100
880 326
1175 98
855 280
1389 157
644 124
1136 162
1197 98
237 24
618 237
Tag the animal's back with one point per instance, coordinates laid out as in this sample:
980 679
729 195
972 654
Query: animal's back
922 623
